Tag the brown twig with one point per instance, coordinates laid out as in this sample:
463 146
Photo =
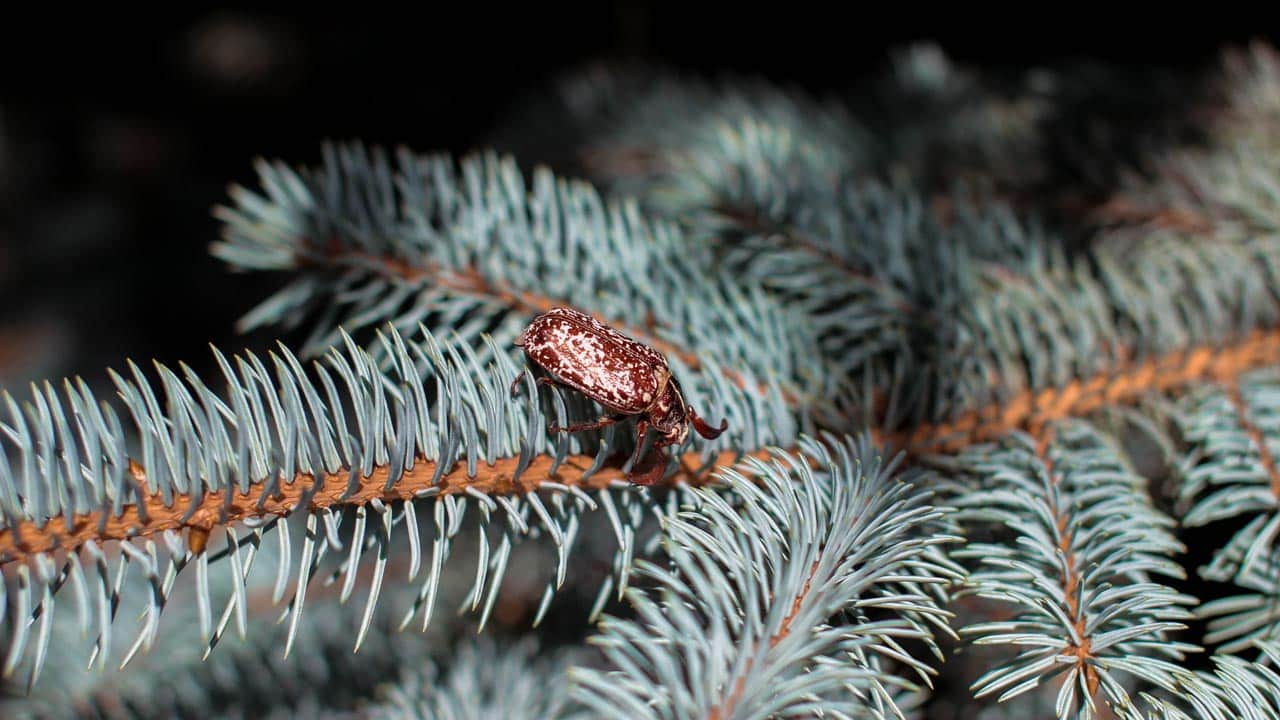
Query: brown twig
1030 411
784 628
1071 580
1034 409
754 222
1255 435
1123 209
19 542
725 709
470 282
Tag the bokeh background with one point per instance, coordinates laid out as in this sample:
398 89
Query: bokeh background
119 132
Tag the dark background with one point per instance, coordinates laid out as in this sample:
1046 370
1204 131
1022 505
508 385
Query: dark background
118 134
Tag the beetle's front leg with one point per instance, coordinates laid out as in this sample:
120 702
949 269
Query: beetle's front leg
642 427
655 464
577 427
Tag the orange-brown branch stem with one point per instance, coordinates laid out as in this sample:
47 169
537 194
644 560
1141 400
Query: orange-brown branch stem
1029 411
785 628
1071 579
725 709
25 539
1034 409
471 282
1255 435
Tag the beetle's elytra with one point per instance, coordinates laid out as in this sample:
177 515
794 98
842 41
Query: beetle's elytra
622 374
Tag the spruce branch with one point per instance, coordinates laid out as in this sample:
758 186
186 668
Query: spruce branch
1011 314
786 288
786 594
352 441
642 134
1008 310
1033 411
1235 690
483 680
964 128
248 677
473 248
1229 471
1080 572
1233 178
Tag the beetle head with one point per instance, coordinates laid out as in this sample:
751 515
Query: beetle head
669 415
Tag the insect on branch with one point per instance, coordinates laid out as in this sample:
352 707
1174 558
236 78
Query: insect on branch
622 374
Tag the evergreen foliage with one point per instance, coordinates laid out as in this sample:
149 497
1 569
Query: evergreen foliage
959 374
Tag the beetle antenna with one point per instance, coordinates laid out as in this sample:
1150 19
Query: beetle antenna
706 430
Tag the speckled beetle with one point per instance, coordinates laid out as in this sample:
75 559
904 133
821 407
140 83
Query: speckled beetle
623 375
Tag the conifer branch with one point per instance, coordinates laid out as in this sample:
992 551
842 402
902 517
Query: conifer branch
469 281
786 595
153 515
1009 314
802 581
1080 573
1235 690
248 677
664 132
426 240
483 680
436 429
1228 471
1034 411
1257 438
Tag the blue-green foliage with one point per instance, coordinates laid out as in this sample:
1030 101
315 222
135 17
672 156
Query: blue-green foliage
1236 690
942 308
436 405
425 240
1226 475
482 680
1082 570
789 594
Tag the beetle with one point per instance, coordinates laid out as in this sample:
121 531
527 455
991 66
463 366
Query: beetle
624 375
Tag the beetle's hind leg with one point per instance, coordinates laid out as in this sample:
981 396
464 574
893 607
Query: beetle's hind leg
592 425
540 380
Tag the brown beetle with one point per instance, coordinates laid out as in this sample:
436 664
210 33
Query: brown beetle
625 376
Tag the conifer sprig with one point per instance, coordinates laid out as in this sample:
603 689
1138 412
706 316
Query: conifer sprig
351 442
1081 577
790 594
474 248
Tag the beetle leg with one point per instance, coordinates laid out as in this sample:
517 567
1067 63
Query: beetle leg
642 427
706 430
655 463
652 471
543 380
576 427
